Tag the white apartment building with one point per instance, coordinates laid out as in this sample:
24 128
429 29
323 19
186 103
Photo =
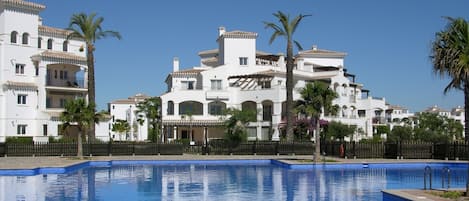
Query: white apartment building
237 75
39 70
456 113
126 109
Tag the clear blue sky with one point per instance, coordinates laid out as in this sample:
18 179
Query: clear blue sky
388 42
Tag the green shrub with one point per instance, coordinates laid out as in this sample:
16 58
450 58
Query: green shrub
19 140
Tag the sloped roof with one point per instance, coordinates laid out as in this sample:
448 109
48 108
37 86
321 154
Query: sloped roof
52 30
322 52
62 55
23 4
238 34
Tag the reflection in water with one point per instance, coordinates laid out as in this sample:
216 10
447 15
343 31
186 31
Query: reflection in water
214 182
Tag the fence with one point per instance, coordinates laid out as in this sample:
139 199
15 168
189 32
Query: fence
95 149
408 150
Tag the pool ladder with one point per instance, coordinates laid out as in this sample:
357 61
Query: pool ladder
445 177
427 173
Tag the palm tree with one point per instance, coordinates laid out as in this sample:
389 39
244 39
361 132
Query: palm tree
316 99
82 115
88 28
286 29
121 127
450 57
150 109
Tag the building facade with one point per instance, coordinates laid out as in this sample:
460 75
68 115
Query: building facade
126 109
40 69
237 75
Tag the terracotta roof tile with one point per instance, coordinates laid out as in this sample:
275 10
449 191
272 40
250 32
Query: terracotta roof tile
62 55
53 30
21 3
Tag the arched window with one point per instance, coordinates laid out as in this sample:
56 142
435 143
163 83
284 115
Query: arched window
65 46
216 108
191 108
25 38
49 44
248 105
39 42
13 36
170 110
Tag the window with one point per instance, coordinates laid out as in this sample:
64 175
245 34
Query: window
19 69
44 129
188 85
65 46
49 44
216 108
25 38
264 84
215 84
65 75
191 108
62 102
61 75
170 108
37 70
243 61
21 129
39 42
21 99
55 74
13 36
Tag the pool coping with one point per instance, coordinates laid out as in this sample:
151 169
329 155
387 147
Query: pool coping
414 194
287 162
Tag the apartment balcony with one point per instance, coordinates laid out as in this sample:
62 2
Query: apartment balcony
77 85
217 95
379 120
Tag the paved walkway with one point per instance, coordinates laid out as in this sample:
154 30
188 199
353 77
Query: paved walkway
35 162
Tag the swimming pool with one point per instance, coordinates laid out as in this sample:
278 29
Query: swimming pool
219 180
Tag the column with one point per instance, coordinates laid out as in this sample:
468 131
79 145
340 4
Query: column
259 120
205 135
175 133
276 119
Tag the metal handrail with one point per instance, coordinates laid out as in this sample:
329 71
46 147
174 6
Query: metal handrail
427 172
445 175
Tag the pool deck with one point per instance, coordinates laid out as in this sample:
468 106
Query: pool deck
39 162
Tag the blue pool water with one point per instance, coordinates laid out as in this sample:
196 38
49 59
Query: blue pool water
218 180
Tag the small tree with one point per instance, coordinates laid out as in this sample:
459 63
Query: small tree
150 109
121 126
338 131
235 124
316 99
399 134
79 113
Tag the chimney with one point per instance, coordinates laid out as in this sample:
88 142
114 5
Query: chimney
281 60
175 64
315 47
221 31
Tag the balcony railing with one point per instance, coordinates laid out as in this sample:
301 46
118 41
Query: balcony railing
76 83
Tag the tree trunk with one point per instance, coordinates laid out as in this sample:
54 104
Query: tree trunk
91 82
289 85
317 141
466 112
80 145
466 126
